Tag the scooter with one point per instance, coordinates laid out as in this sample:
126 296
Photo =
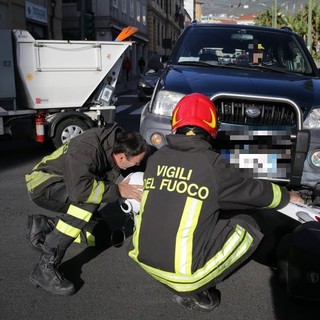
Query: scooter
298 253
301 212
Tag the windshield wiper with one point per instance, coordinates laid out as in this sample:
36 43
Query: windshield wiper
232 65
197 63
272 69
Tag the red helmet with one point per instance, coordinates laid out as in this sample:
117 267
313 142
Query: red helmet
196 110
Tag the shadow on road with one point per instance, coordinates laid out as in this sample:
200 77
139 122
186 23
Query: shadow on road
274 226
287 307
15 152
111 229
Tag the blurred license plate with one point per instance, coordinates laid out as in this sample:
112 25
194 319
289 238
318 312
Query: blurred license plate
259 163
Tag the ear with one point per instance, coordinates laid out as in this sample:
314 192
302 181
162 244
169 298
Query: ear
122 156
119 157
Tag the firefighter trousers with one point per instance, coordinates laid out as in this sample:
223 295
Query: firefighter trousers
75 224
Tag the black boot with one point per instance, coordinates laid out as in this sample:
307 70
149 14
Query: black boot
47 275
38 227
204 301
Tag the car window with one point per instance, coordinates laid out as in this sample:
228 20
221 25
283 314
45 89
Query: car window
243 47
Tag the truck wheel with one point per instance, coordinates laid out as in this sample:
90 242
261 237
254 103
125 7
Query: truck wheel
67 130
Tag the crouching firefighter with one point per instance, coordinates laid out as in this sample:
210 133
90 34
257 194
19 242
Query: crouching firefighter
179 238
74 180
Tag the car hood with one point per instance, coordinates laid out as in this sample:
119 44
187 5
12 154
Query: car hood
151 78
303 90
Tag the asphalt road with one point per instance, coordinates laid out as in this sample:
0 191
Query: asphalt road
110 285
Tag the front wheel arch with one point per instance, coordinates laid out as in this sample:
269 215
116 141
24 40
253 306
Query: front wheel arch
67 129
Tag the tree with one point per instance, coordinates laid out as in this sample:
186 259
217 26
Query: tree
266 18
296 22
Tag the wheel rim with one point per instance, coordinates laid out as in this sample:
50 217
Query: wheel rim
70 132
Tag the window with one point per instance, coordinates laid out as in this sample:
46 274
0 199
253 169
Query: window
144 15
131 8
124 6
250 48
138 11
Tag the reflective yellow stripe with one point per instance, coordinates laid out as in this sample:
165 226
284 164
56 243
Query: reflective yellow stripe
91 241
97 192
35 178
184 238
277 194
79 213
67 229
56 154
137 224
236 246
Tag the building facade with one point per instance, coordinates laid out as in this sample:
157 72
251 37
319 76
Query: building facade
41 18
159 22
165 21
104 20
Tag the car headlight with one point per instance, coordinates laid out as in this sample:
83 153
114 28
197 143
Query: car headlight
313 120
165 101
315 158
143 83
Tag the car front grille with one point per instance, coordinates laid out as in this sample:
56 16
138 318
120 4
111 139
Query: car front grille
255 113
256 135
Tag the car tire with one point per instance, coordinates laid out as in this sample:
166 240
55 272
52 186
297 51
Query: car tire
68 129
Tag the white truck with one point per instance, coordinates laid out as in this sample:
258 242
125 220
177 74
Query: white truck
56 89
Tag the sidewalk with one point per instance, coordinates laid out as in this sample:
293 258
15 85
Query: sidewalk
124 86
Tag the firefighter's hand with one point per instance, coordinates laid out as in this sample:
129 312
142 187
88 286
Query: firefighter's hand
130 191
295 198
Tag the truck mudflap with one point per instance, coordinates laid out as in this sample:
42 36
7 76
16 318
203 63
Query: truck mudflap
64 74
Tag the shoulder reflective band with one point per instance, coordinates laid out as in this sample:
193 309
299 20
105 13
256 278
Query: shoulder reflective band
97 192
277 195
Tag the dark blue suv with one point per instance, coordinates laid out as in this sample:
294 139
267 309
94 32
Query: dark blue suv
266 88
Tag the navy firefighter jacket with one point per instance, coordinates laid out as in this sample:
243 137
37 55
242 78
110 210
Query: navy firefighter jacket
84 165
179 238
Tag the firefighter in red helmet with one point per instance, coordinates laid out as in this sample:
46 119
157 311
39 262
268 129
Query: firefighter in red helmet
180 238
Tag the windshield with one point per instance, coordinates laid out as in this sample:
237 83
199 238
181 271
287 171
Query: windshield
242 47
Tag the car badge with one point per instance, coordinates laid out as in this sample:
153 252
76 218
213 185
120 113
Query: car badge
253 112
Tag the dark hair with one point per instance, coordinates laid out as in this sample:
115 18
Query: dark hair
199 132
130 143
